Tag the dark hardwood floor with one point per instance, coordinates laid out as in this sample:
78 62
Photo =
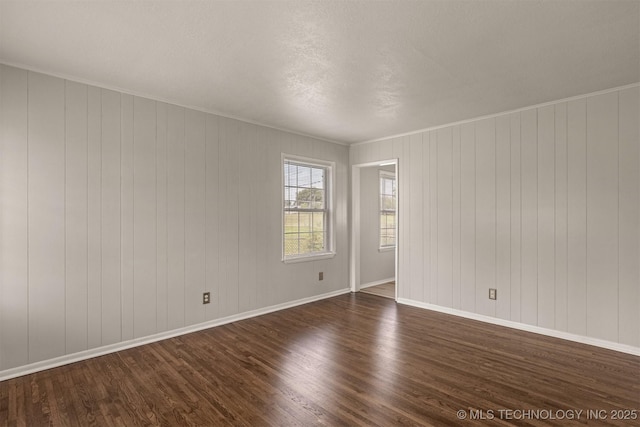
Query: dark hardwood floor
355 359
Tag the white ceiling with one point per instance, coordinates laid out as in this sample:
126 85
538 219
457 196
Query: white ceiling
344 71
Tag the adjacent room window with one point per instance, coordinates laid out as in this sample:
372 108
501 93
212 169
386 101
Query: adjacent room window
387 210
307 208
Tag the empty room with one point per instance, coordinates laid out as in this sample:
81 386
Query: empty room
298 213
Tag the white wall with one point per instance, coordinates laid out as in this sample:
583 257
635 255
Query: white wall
375 265
118 212
542 204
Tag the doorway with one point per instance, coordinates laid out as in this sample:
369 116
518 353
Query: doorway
374 228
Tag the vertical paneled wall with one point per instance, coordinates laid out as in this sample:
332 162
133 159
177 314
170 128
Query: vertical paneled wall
541 204
118 212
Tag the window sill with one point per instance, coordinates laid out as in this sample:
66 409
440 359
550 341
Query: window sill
305 258
387 249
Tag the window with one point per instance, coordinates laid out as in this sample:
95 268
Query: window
307 208
387 210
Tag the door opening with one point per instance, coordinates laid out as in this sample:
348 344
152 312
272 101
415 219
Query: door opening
374 228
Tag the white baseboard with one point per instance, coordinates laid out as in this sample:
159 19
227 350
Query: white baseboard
100 351
377 282
523 327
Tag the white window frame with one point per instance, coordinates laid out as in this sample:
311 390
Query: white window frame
329 251
387 175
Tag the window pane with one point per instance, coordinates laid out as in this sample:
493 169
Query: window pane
317 242
289 197
304 176
390 234
318 199
391 220
387 220
295 196
291 222
387 202
290 174
305 221
287 173
317 176
388 187
291 244
318 221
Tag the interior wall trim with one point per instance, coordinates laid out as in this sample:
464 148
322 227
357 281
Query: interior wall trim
523 327
502 113
108 349
149 96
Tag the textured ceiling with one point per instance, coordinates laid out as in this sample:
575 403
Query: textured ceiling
343 71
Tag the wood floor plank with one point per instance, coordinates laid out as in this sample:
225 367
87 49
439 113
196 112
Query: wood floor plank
387 290
353 360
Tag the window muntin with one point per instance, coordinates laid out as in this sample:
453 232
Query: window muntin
387 210
306 210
